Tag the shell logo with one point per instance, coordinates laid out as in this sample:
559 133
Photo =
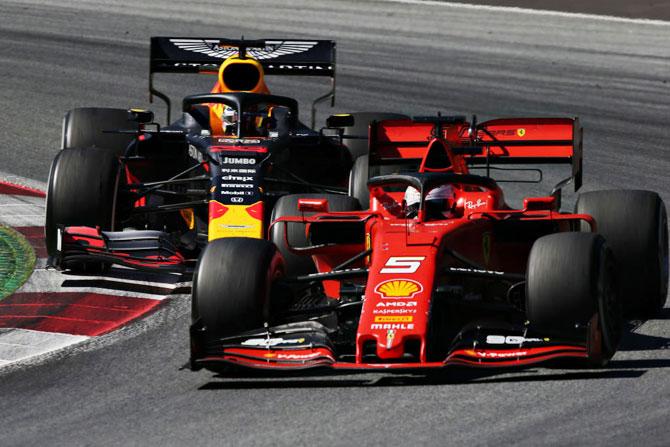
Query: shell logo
398 288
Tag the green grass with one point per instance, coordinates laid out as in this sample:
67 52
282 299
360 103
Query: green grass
17 261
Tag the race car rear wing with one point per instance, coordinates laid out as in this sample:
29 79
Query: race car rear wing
531 141
278 57
499 141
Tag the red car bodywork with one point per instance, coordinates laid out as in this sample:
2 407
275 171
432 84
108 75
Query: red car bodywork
408 260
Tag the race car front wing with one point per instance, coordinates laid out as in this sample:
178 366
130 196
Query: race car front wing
144 249
307 345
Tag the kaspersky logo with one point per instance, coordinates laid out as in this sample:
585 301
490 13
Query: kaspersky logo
398 288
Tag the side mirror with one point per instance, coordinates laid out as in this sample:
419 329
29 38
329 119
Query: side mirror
540 203
141 116
313 205
340 120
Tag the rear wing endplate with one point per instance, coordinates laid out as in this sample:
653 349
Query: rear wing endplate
278 57
531 141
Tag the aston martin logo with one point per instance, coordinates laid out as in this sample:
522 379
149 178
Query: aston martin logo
271 50
398 288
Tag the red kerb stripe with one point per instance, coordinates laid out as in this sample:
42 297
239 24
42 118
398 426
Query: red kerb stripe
19 190
35 236
76 313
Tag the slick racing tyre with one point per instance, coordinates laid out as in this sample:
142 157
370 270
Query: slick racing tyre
358 181
570 288
81 191
84 127
635 226
288 206
361 172
232 285
359 146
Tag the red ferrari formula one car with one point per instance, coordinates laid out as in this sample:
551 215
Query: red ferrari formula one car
438 270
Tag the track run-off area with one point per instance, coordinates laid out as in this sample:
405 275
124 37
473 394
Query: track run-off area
117 376
43 310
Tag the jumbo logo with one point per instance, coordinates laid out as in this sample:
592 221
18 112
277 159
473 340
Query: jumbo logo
398 288
238 161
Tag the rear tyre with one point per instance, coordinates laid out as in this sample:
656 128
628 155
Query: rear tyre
635 225
358 147
233 283
80 192
361 172
569 287
358 181
85 126
288 206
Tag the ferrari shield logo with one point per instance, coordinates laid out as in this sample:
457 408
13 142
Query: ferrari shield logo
390 335
521 132
486 247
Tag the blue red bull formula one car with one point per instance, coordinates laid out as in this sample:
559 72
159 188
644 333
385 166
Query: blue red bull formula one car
456 278
127 190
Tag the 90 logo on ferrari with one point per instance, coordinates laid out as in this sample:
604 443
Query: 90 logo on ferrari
402 264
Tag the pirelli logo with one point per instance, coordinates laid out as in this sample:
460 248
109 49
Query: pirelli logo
394 319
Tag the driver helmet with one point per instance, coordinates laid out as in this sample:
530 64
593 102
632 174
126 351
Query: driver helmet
440 202
229 120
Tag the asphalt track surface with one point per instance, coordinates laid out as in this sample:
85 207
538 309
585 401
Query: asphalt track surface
127 388
639 9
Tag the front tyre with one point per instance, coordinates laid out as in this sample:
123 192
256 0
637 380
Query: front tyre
80 192
571 293
232 286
